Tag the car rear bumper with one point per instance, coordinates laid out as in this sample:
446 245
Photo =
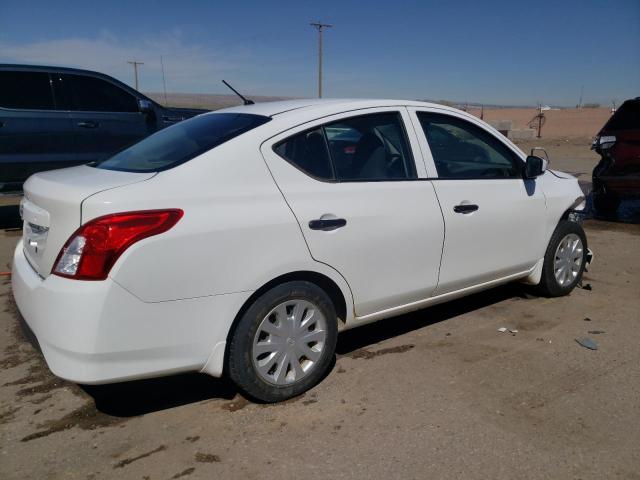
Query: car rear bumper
98 332
627 186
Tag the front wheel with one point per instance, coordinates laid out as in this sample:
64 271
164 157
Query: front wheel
284 343
564 260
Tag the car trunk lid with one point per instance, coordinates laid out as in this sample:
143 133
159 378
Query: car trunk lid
52 208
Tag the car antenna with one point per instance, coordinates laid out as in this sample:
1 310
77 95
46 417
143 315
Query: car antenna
245 100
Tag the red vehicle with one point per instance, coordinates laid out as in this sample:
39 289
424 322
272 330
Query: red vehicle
617 175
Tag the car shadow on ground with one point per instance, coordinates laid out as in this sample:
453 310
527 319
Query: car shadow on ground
10 217
352 340
128 399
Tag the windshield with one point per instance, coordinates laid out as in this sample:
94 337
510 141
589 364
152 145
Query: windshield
181 142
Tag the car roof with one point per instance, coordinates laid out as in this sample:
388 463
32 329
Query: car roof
286 114
310 105
47 68
78 71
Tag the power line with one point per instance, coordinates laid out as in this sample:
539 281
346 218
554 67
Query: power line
320 26
135 70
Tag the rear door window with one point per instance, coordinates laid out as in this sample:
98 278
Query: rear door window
308 152
182 142
370 147
26 90
91 94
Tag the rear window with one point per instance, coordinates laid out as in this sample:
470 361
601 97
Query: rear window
25 90
181 142
627 117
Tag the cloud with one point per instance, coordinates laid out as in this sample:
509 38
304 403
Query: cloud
188 67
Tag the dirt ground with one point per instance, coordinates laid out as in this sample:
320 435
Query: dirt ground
436 394
567 122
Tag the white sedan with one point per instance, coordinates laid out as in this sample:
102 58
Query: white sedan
239 242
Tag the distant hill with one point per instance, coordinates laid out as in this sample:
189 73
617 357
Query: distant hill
212 101
208 101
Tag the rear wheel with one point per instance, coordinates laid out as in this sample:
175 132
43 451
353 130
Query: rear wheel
284 343
564 260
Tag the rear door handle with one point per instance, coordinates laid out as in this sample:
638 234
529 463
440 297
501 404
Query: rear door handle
88 124
327 224
465 208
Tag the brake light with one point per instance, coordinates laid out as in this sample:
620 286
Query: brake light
94 248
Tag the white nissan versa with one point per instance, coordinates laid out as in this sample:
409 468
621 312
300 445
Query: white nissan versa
241 241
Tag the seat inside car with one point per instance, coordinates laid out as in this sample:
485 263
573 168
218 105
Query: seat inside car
370 157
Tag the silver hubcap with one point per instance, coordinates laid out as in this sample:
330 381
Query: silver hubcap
568 259
289 342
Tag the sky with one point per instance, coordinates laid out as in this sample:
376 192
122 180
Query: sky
492 52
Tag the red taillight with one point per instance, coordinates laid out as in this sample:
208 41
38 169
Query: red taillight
93 249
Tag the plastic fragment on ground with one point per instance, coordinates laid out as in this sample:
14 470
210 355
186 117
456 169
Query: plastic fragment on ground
587 343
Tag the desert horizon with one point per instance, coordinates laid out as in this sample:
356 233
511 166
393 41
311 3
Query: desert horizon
570 122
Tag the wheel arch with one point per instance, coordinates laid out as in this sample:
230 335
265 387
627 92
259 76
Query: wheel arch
340 303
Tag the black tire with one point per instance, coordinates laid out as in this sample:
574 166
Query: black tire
606 204
241 369
548 285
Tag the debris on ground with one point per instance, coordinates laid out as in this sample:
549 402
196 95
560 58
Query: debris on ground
513 330
587 319
596 332
586 286
587 343
502 329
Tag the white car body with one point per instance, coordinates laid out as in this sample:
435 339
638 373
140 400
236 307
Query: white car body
170 300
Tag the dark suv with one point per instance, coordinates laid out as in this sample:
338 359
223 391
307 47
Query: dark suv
617 175
53 117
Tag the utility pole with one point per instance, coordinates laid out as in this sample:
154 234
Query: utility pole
164 81
581 93
135 70
320 26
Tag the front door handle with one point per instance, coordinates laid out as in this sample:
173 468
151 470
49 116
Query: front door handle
88 124
327 224
1 124
172 119
465 208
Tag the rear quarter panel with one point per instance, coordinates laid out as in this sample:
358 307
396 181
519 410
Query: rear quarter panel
237 232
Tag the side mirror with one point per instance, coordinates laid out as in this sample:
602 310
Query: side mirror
534 167
144 106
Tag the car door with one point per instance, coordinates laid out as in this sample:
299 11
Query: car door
106 117
362 204
34 134
494 219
